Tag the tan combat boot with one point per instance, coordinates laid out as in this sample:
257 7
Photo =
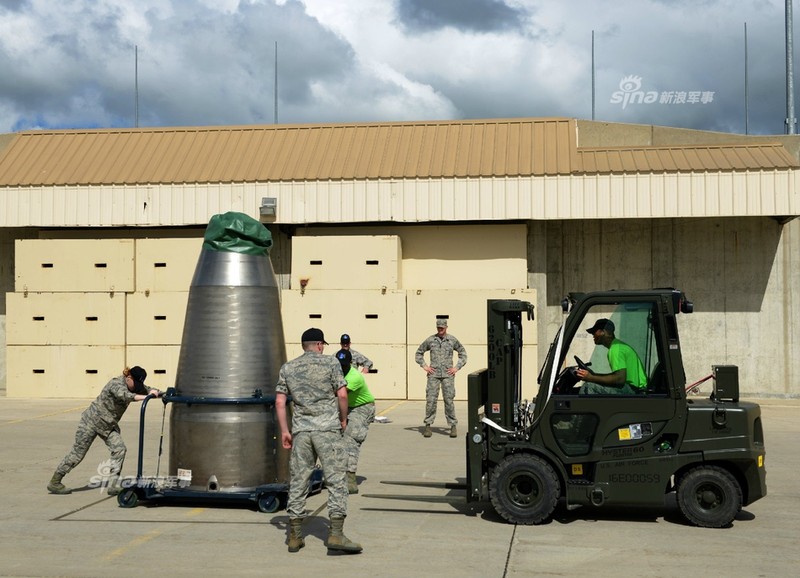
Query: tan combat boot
56 487
338 541
296 535
352 483
426 432
453 432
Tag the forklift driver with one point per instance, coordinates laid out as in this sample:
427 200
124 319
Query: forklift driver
627 375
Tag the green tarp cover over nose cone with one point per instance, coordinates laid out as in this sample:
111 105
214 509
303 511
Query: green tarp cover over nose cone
237 233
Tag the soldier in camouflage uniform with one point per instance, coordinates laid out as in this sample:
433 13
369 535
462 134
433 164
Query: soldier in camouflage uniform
441 374
319 416
101 419
360 360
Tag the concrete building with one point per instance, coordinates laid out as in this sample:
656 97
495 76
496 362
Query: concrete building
380 228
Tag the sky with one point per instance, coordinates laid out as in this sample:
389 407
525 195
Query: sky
679 63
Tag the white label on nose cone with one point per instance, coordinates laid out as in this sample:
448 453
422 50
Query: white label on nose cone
184 475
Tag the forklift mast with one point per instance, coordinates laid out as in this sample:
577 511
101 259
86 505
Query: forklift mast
495 394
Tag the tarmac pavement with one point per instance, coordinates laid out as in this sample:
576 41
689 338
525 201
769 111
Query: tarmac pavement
405 530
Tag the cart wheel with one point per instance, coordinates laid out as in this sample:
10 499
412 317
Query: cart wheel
268 503
128 498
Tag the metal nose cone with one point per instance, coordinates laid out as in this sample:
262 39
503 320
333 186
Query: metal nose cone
233 347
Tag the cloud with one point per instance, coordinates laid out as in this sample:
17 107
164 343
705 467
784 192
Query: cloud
468 15
211 62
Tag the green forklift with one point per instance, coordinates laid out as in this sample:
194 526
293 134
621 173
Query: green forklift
627 445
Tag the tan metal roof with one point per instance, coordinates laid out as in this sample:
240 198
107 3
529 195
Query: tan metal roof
685 158
402 150
475 148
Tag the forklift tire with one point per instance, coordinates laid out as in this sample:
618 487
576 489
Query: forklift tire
524 489
127 498
709 497
269 503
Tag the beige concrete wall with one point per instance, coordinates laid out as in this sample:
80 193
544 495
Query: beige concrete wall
486 256
8 238
346 262
65 318
82 303
74 265
166 264
155 318
62 370
615 134
742 273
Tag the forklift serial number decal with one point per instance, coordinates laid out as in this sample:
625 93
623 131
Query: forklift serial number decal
634 478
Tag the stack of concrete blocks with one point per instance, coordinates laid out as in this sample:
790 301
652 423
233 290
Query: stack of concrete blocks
157 309
83 309
351 285
388 303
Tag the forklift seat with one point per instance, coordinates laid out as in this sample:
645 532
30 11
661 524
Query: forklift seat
657 384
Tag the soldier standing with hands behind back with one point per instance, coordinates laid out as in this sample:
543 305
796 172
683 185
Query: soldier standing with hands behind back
441 374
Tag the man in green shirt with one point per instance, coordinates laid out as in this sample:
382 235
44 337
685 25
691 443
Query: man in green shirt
360 413
627 375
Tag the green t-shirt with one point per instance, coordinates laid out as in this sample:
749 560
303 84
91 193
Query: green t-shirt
622 356
357 391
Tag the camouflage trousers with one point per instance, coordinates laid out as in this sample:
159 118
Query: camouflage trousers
358 420
328 446
448 387
591 388
84 437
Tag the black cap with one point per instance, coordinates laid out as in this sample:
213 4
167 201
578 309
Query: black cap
345 338
138 375
345 359
604 324
313 334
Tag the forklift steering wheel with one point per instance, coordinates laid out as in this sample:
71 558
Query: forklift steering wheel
582 364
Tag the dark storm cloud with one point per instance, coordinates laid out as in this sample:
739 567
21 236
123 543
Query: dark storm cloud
468 15
12 5
241 72
196 66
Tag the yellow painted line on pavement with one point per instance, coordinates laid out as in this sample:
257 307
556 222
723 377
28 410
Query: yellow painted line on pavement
146 538
43 415
388 409
133 544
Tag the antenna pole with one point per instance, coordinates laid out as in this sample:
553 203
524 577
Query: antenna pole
593 87
136 85
791 121
746 86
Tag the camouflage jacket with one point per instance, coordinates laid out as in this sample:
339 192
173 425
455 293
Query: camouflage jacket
360 360
312 380
441 354
105 412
